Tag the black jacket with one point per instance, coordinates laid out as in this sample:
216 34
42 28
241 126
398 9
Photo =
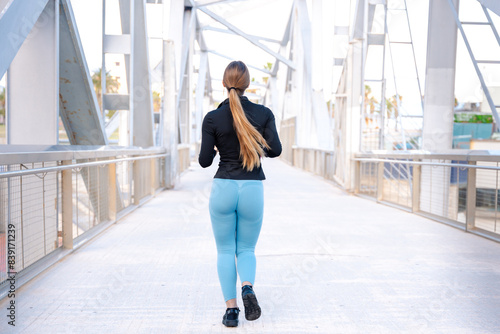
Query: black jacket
217 130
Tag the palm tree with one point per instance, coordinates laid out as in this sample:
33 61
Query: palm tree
2 101
156 101
112 86
268 67
2 116
393 108
371 102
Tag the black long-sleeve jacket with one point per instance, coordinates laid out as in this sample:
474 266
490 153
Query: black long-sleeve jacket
218 130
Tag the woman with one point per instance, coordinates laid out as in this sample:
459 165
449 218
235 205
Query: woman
243 132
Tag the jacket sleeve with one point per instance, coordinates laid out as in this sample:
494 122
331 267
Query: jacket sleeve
271 137
207 151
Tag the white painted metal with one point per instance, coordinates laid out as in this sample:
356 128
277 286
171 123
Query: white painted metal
200 95
439 98
141 93
475 62
493 5
116 102
129 61
184 93
136 114
440 77
117 44
34 120
313 121
79 110
263 70
173 21
215 2
113 123
251 39
169 114
227 31
348 115
103 59
16 22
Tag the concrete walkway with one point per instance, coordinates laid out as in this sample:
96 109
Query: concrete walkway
328 262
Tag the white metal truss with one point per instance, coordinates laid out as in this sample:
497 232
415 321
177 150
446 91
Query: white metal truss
373 137
79 109
24 36
492 5
16 23
252 39
475 61
136 107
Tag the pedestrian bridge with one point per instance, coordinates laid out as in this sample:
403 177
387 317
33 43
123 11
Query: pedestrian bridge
377 219
328 262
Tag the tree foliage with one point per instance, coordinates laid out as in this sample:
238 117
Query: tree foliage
112 86
2 101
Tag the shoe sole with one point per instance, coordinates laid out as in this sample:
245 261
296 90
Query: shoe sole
252 308
230 323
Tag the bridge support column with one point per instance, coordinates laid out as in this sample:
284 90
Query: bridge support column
33 84
439 98
439 101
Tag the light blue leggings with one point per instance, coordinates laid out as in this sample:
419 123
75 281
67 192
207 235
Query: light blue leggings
236 211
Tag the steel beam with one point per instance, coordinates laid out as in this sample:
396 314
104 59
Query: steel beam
173 32
142 98
33 76
15 24
439 101
493 5
249 38
79 108
440 77
230 32
263 70
169 114
475 62
113 124
184 94
200 95
116 44
215 2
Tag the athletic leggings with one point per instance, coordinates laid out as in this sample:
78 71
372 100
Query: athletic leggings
236 211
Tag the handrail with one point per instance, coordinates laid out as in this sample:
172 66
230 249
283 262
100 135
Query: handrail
427 163
14 154
456 154
78 165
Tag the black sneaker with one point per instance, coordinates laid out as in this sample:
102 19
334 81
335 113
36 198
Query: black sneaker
230 319
252 308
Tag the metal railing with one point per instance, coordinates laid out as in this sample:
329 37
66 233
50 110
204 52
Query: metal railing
287 136
55 198
457 187
314 160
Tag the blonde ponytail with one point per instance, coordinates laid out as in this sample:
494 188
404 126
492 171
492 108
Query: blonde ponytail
237 79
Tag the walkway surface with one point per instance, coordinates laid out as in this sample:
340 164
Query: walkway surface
328 262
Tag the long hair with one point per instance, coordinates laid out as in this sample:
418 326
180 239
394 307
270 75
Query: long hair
236 80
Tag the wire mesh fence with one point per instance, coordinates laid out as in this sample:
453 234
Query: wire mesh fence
487 213
31 201
368 178
460 191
